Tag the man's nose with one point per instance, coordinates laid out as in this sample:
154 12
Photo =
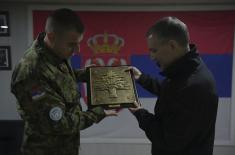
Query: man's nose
151 56
78 48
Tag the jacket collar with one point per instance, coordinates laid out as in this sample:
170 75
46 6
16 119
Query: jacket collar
46 52
184 66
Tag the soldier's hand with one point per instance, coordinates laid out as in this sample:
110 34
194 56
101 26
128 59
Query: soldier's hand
86 68
136 72
90 65
110 112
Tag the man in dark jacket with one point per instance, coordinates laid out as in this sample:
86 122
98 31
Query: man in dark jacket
185 112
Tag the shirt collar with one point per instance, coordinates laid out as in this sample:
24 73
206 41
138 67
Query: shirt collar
184 66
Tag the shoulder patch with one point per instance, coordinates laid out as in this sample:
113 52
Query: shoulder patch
56 113
36 92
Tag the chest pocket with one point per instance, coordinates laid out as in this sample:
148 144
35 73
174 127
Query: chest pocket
61 80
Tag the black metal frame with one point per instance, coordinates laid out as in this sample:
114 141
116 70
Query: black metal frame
5 58
4 21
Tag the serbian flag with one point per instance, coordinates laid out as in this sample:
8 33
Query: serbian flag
118 38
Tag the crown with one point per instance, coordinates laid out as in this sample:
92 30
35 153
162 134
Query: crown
105 43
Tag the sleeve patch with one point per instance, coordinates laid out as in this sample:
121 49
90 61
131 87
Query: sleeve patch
56 113
36 92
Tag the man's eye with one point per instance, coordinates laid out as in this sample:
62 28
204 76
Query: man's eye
153 50
72 45
70 48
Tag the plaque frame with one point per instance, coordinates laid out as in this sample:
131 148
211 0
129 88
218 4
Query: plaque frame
92 97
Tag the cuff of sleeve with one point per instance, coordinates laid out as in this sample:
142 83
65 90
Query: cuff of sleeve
141 78
82 75
138 113
99 113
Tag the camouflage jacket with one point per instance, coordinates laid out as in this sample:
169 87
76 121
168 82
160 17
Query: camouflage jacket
48 102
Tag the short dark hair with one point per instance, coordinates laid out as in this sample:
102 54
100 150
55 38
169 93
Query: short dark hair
64 19
169 28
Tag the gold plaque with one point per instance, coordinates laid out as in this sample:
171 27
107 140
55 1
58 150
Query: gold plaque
111 87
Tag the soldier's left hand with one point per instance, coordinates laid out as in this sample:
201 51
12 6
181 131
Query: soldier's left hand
111 113
86 68
90 65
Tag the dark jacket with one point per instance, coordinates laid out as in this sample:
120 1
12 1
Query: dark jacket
185 112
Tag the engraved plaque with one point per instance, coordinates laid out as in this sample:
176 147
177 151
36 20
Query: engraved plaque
111 87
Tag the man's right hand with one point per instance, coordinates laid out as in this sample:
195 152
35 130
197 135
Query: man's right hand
138 107
136 72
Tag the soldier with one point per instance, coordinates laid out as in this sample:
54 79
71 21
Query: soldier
45 86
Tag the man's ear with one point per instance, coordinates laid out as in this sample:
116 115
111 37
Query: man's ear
173 44
51 37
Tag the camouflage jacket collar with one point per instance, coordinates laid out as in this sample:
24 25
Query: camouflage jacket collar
45 52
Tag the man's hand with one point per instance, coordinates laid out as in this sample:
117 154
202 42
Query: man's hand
138 106
110 113
136 72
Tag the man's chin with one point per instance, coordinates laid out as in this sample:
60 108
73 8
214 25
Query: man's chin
158 65
68 56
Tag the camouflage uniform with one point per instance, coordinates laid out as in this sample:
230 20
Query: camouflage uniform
48 102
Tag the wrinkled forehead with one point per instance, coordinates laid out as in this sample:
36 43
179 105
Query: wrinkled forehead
156 40
150 36
153 39
153 36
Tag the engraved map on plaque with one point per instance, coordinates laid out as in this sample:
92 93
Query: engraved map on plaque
112 87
